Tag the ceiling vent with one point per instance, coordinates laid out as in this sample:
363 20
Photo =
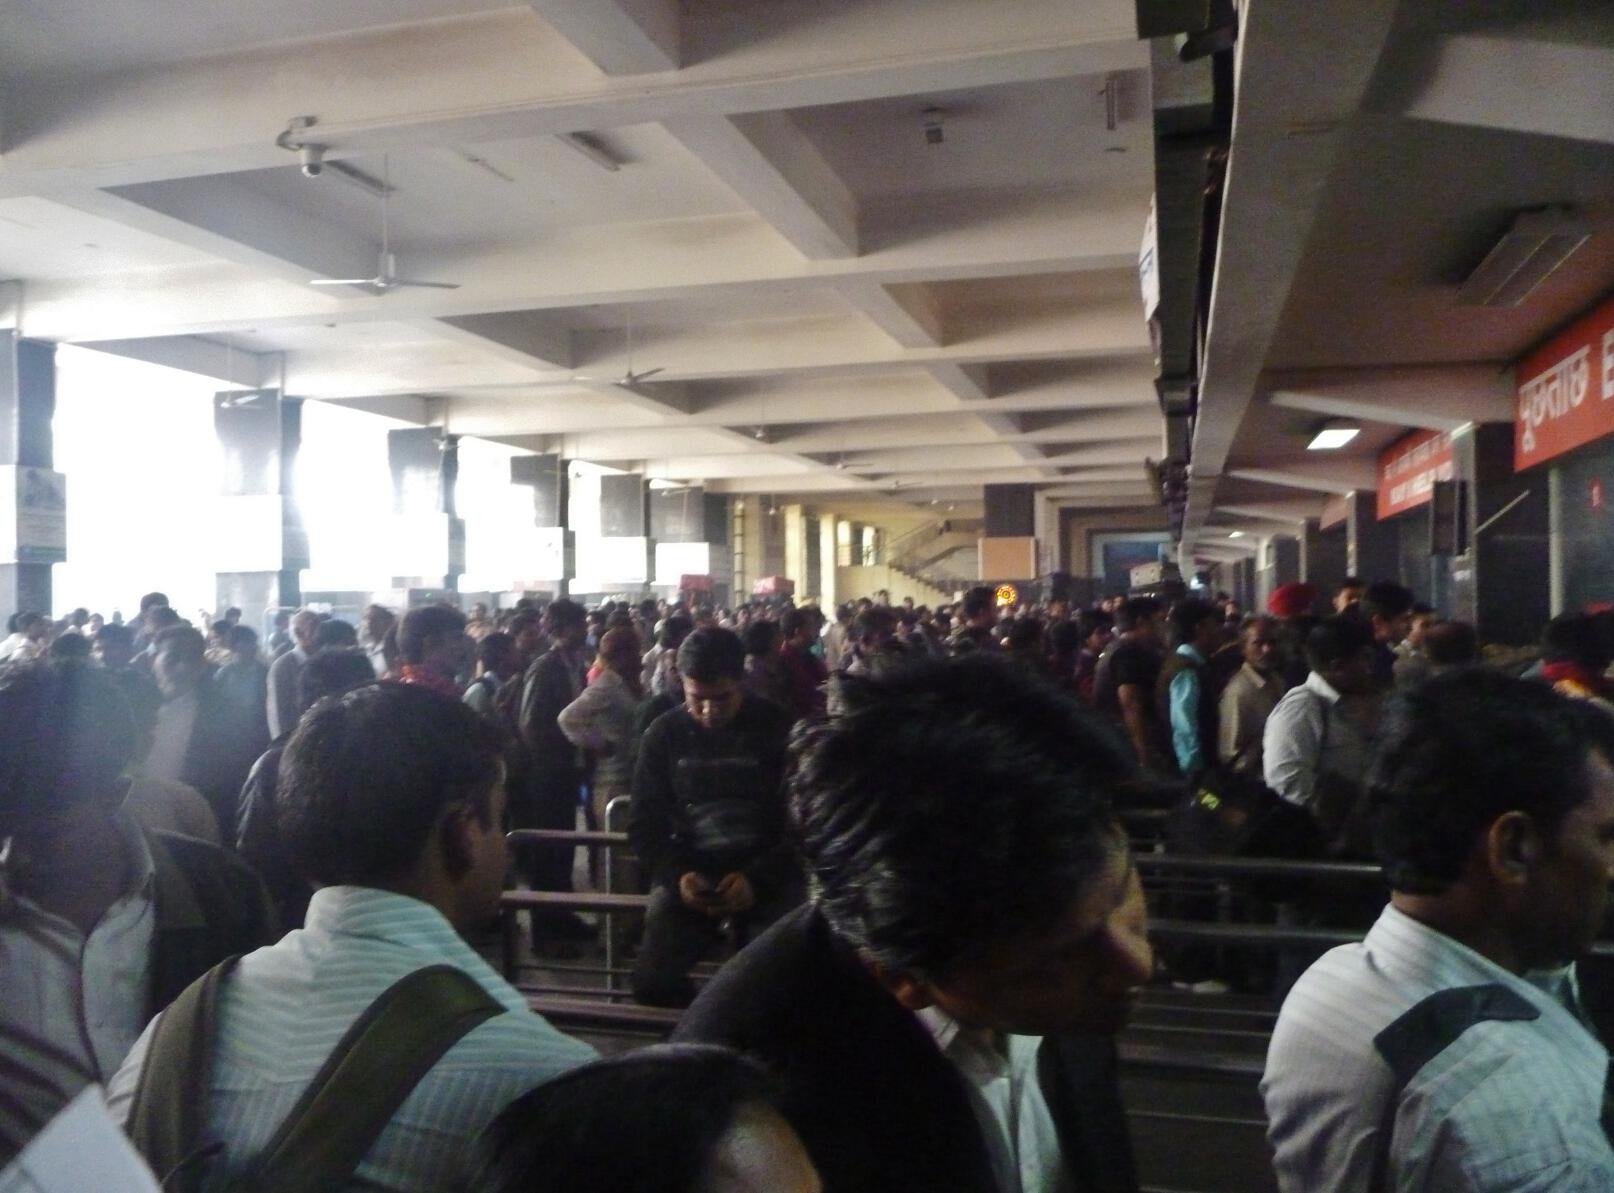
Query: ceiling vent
1536 244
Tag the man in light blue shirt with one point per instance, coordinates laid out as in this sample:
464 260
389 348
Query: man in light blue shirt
392 799
1451 1051
1197 628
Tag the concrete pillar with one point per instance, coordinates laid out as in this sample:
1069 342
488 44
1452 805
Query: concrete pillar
1009 543
828 560
262 543
429 550
1512 557
553 562
1373 550
628 553
1323 556
795 531
33 497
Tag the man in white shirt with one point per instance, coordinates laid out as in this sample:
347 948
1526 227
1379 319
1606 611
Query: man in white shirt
390 903
101 923
1451 1051
1315 745
27 639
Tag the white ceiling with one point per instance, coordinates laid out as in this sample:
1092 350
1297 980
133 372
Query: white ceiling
904 321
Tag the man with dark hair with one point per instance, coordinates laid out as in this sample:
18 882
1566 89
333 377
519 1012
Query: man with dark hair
979 619
390 903
497 663
256 831
1096 628
873 640
555 776
1315 744
1388 607
1575 658
1184 702
709 817
804 673
1249 697
1450 1050
101 923
1124 686
432 647
198 740
282 695
941 1014
29 634
1448 645
242 683
1349 594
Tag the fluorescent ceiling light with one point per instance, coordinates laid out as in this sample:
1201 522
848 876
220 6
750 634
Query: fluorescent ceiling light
1235 534
1333 435
1530 251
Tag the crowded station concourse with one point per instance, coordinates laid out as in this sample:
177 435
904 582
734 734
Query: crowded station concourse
806 595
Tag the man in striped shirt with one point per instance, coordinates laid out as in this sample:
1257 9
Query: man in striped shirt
392 799
1452 1049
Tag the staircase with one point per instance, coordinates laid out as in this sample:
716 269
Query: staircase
942 554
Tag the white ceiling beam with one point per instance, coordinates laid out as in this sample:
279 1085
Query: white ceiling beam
501 75
621 37
966 382
1303 70
1286 513
1511 81
1342 476
908 314
534 338
771 165
1436 397
206 358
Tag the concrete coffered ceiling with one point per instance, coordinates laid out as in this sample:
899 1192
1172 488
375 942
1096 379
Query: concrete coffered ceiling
836 307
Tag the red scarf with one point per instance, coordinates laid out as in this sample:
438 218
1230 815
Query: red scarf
425 677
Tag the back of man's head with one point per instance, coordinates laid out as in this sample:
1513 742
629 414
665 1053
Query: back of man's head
565 614
424 628
183 641
1188 615
396 755
153 599
978 601
712 654
1335 640
1134 611
1462 749
1451 644
675 629
1387 599
332 672
1574 638
951 807
334 633
66 735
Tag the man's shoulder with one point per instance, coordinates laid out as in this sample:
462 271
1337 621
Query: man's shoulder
764 715
772 977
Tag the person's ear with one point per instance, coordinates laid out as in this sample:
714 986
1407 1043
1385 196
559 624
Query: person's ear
1513 848
908 990
454 830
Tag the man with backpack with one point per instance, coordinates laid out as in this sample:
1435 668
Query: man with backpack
238 1080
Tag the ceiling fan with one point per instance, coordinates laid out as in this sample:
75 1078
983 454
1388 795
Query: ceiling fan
629 377
386 277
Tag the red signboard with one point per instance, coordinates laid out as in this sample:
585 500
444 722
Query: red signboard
774 586
1566 390
688 583
1409 468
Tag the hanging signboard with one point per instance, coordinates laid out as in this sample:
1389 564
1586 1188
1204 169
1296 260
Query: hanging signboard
33 515
1409 468
1566 390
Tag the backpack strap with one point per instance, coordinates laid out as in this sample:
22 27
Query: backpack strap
368 1076
1423 1033
168 1114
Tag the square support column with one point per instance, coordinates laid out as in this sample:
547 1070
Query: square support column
33 496
429 547
261 545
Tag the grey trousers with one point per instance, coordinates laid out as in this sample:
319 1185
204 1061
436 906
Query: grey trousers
675 938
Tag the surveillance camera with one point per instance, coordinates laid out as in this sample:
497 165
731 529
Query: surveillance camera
313 157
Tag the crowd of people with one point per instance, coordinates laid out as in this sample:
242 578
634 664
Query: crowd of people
242 884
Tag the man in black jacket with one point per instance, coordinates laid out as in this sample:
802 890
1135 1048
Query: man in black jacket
102 924
554 770
941 1015
709 817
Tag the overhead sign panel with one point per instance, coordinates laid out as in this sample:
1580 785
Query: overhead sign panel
1566 390
1409 468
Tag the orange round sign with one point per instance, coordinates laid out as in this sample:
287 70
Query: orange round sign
1007 594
